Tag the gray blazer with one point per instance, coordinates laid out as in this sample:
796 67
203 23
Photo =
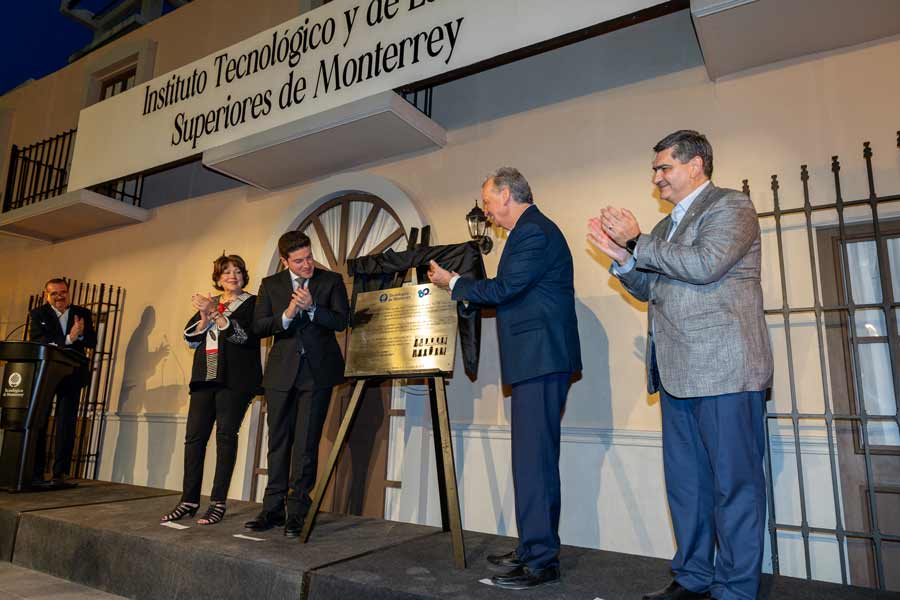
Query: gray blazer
706 321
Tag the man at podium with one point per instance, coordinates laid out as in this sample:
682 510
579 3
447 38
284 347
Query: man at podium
68 326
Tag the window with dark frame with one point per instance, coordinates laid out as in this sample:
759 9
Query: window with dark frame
873 336
117 83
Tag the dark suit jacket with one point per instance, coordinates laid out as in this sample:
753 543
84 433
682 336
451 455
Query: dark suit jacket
239 364
318 336
46 329
535 298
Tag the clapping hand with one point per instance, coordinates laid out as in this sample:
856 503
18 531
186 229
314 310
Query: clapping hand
301 299
598 238
619 224
204 305
77 328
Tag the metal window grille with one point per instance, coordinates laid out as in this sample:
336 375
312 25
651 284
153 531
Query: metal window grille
845 409
421 99
38 171
117 84
41 171
105 303
128 189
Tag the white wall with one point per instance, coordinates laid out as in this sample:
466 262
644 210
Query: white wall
613 489
580 150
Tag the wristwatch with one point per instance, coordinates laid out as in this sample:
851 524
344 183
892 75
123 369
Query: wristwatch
631 244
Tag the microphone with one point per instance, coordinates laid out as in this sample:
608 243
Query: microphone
9 335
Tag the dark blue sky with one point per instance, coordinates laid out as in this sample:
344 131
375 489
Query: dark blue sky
36 41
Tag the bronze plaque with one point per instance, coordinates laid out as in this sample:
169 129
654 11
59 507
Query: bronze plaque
402 331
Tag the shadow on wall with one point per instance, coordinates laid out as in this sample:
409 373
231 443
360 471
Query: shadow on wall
138 398
590 396
638 345
466 392
590 400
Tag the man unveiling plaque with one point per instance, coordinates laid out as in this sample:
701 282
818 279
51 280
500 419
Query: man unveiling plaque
402 331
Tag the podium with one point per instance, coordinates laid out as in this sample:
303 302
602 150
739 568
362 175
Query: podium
30 377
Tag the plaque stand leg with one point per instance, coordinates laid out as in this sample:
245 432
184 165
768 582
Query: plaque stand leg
446 467
443 445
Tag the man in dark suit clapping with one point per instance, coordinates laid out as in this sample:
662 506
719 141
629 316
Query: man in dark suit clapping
302 307
539 350
68 326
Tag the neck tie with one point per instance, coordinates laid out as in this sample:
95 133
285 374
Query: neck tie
300 282
673 225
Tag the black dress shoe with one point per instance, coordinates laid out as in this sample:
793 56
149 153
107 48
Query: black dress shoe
675 591
510 560
265 520
293 526
60 482
523 578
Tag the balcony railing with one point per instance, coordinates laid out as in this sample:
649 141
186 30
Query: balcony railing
41 171
38 171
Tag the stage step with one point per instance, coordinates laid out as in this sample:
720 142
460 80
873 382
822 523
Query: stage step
19 583
120 547
13 506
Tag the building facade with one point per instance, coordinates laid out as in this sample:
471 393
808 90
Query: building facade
579 121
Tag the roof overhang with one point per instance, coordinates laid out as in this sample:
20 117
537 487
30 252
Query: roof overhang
736 35
70 215
369 131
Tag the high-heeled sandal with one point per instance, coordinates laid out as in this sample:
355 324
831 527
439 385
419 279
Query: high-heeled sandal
184 509
213 514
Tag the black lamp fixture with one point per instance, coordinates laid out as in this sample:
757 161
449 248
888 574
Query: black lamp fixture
478 224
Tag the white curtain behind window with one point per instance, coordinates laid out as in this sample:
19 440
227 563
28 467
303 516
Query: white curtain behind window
875 369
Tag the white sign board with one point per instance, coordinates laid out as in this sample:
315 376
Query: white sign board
339 53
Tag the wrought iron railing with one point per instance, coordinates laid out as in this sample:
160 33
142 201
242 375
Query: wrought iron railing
41 171
38 171
864 537
105 303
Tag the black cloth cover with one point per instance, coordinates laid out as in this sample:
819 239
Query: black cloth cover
378 272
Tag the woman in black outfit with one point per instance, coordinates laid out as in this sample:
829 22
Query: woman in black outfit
225 376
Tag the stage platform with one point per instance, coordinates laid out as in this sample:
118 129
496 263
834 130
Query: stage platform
88 493
108 537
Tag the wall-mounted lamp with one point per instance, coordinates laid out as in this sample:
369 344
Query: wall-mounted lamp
477 222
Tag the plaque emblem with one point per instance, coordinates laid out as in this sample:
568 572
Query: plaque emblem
15 380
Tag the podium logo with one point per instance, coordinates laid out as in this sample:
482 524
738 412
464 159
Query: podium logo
15 380
424 292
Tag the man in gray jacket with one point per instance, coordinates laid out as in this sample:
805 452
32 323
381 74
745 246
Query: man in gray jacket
709 357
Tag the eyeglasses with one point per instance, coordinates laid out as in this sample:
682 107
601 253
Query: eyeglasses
58 294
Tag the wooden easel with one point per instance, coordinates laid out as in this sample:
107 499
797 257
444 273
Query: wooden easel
443 451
